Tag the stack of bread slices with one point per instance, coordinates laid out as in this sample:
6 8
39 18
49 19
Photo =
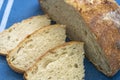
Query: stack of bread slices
38 49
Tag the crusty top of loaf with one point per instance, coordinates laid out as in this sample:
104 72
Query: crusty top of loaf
103 18
91 9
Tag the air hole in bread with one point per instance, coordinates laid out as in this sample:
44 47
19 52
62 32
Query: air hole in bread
70 54
28 36
13 58
100 67
8 37
30 22
18 50
74 48
64 53
85 32
63 48
14 28
30 40
70 66
56 6
52 52
17 40
35 70
76 65
80 10
56 55
10 30
46 63
51 71
25 65
30 46
46 31
49 77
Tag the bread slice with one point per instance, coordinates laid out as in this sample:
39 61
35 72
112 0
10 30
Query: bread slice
27 52
64 62
11 37
97 23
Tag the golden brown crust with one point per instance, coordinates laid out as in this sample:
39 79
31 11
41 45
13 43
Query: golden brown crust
12 67
3 53
25 76
106 31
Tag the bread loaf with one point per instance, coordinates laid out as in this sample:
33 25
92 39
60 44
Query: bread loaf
31 48
64 62
11 37
97 23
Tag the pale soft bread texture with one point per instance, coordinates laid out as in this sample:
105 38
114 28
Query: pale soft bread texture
27 52
11 37
64 62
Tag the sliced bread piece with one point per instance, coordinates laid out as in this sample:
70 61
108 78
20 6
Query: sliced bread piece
11 37
64 62
27 52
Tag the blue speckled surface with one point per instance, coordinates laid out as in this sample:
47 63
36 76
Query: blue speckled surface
23 9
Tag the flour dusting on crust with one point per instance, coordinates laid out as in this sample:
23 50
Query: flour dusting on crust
114 16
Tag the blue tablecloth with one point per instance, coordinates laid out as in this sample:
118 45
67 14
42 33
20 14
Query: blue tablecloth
12 11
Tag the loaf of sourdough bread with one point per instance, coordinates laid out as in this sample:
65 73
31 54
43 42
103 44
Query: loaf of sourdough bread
11 37
31 48
97 23
64 62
